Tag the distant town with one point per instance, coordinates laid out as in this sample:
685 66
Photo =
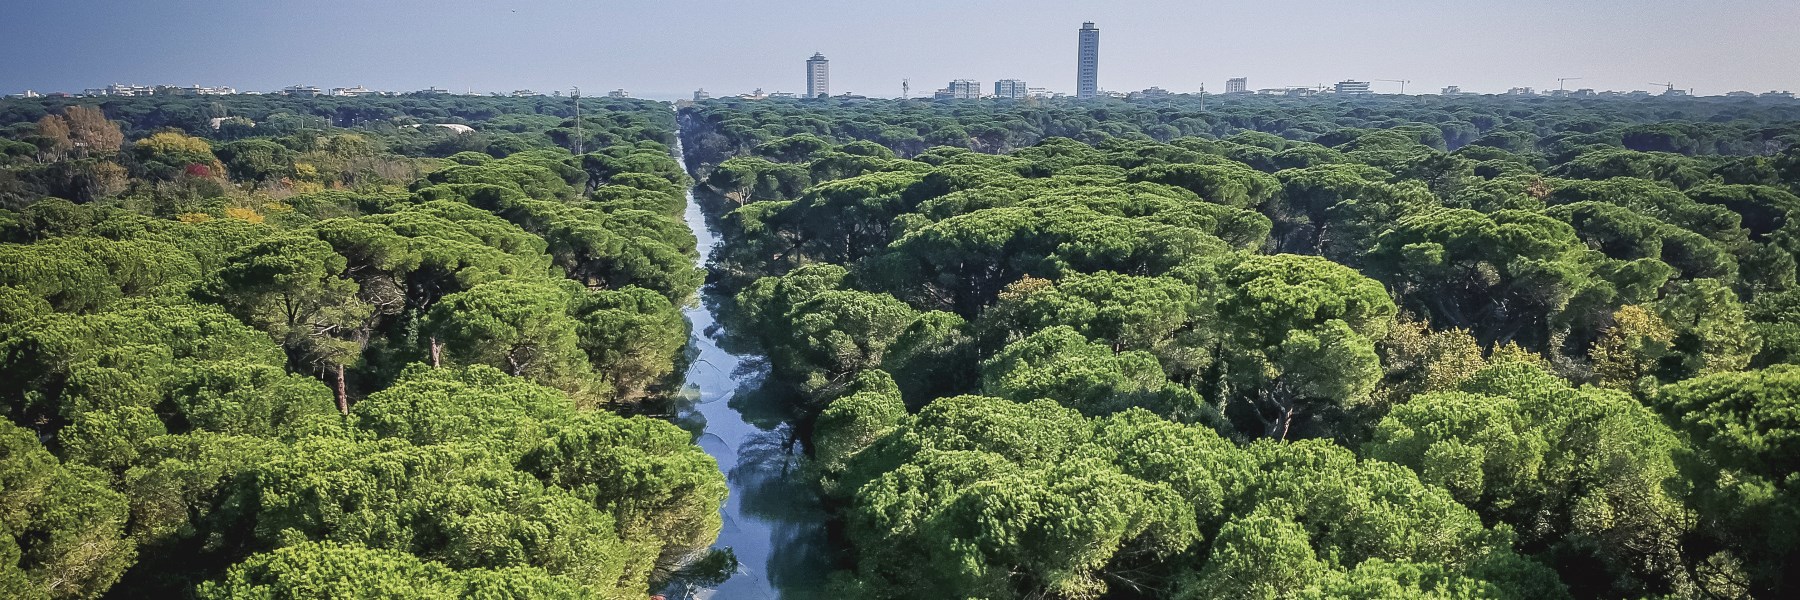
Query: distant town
818 85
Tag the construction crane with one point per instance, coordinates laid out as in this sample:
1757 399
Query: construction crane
1671 87
1402 83
1562 80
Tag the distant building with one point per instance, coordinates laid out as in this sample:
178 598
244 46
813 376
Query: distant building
1452 90
1348 87
755 95
120 90
784 95
818 76
1087 61
1778 95
191 90
1521 91
961 89
524 94
1152 93
700 94
1012 89
25 94
618 93
360 91
1038 92
433 91
1740 94
1237 85
304 91
218 122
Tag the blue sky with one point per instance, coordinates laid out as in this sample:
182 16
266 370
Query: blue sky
668 48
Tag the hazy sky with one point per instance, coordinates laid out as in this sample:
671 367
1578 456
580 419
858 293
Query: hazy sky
668 48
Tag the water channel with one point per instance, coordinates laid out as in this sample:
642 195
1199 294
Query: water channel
772 520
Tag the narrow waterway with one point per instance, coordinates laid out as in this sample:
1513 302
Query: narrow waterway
772 520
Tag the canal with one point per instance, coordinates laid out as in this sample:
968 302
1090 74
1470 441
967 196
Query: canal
772 520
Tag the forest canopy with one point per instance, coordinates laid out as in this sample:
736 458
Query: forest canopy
1277 348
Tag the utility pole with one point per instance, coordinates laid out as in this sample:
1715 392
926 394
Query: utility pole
579 139
1203 97
905 89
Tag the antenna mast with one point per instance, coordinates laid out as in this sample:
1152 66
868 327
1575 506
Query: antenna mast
905 89
579 138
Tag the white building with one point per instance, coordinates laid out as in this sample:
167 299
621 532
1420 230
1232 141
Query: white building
1237 85
961 89
701 94
120 90
302 90
354 92
1011 89
1348 87
618 93
818 76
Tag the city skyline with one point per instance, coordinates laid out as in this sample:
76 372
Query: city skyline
542 46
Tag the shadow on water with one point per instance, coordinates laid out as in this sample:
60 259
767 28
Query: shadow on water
775 530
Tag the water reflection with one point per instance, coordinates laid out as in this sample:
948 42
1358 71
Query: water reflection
774 527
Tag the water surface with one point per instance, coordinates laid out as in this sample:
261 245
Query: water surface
772 520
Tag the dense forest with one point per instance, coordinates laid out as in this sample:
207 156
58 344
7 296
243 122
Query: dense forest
1240 347
1270 348
316 351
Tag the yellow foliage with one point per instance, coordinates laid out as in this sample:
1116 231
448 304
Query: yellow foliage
1025 286
244 214
169 142
1629 350
1419 360
193 217
1512 352
306 171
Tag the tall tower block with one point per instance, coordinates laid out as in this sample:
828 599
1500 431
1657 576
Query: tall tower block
1087 63
818 76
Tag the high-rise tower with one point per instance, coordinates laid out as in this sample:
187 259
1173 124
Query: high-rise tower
818 76
1087 63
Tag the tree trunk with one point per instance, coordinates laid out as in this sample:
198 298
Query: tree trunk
437 353
343 397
